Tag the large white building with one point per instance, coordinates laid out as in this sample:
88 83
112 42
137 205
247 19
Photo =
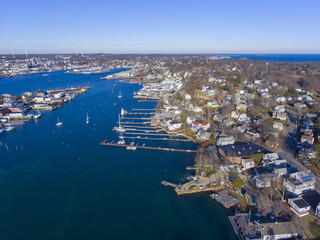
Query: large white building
300 182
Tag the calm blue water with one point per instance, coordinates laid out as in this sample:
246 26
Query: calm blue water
279 57
64 185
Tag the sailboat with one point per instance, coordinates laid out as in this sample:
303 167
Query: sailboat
112 91
120 95
119 129
59 123
87 119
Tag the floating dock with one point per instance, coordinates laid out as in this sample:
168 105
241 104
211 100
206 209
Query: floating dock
152 134
104 143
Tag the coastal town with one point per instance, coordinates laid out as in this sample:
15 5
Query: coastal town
256 125
258 140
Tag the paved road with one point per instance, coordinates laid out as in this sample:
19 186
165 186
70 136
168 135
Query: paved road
290 143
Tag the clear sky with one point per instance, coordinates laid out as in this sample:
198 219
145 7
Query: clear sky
166 26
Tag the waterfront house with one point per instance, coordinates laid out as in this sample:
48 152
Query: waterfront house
264 180
247 163
172 126
201 124
300 182
234 153
299 206
224 140
202 135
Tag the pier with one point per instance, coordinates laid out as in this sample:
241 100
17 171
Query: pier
169 184
139 113
134 123
104 143
142 127
135 118
159 139
152 134
135 109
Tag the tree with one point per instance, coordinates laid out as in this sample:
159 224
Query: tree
213 139
183 117
238 183
257 157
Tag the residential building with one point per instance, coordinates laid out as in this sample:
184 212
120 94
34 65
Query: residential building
299 206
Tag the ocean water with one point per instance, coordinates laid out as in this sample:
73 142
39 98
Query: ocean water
59 183
279 57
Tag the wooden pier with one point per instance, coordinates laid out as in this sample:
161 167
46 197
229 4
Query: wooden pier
169 184
141 127
139 113
134 123
135 118
135 109
159 139
104 143
152 134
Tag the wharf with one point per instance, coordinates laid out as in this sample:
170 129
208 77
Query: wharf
141 127
139 113
147 101
135 109
152 134
169 184
225 199
145 97
135 118
164 139
144 130
104 143
197 190
143 123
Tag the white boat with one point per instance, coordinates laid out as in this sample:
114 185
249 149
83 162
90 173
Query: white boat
131 146
122 142
36 116
119 129
9 128
120 95
59 123
87 119
123 112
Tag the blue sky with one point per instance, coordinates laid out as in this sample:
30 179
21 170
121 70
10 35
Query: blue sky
141 26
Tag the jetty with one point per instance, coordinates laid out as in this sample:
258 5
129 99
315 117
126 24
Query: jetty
169 184
104 143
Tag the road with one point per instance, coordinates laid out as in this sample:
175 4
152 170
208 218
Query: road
289 148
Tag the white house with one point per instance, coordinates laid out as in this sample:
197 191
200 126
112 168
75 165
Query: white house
224 140
300 182
299 206
174 126
247 163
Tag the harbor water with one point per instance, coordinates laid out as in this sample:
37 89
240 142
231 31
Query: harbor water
60 183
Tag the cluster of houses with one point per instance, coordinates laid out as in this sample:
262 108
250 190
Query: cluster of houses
306 136
17 108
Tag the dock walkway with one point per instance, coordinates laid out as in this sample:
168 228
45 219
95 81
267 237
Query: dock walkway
104 143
